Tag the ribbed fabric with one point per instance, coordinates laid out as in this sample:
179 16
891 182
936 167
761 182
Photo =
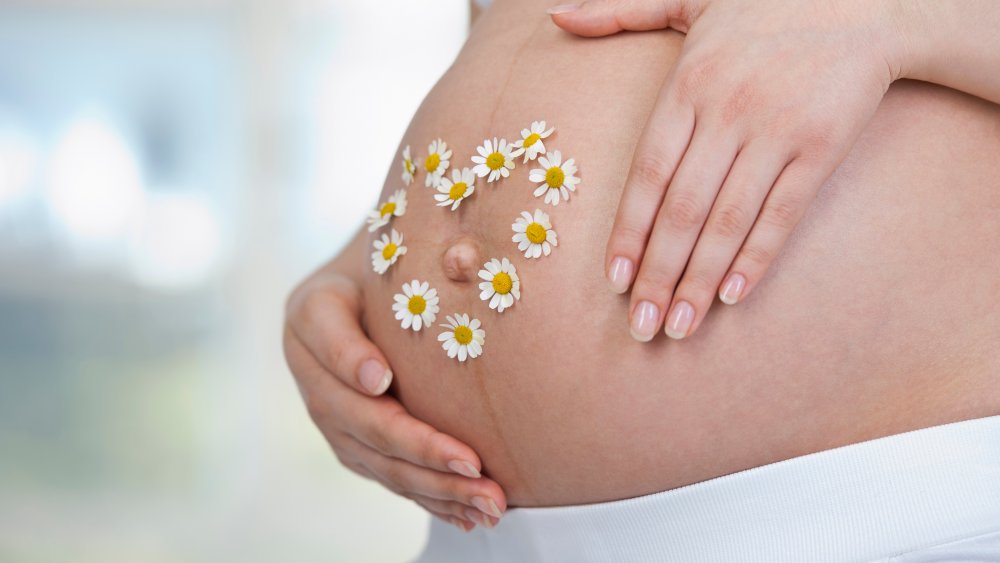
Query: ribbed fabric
862 502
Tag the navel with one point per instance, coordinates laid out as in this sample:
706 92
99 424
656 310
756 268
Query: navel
460 260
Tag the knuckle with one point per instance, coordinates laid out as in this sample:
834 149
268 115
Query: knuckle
655 281
694 76
729 221
683 211
650 171
379 440
698 283
756 254
427 447
782 212
738 102
629 235
394 476
317 407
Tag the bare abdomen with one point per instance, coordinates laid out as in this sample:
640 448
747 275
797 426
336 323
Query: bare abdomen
879 316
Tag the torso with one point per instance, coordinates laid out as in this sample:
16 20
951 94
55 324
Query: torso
879 316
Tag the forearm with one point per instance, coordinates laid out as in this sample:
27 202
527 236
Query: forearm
955 43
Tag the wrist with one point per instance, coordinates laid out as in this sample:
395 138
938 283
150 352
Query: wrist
905 38
917 31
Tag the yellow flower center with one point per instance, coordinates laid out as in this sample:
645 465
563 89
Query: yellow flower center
388 209
417 304
531 139
431 162
536 233
554 177
389 250
495 161
457 191
502 282
463 335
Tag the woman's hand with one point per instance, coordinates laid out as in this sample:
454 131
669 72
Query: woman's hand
764 102
342 377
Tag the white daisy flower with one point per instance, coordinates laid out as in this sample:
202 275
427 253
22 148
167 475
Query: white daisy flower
409 168
463 338
395 207
453 191
534 235
417 306
530 144
493 160
387 251
556 177
437 162
502 286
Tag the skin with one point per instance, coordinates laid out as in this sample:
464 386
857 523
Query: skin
744 133
526 440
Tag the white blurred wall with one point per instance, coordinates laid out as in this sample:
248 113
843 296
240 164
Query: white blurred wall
168 171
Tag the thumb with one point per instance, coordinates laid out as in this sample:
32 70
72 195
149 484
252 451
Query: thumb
595 18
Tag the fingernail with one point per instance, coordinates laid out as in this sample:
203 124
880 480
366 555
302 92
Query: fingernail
463 525
680 320
644 321
374 377
478 517
464 468
732 289
620 275
562 9
487 505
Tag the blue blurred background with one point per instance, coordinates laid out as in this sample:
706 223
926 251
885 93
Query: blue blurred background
169 169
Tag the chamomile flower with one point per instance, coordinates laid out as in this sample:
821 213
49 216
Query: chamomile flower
387 251
409 168
417 306
534 235
463 338
494 159
395 207
530 144
453 191
556 177
437 162
502 286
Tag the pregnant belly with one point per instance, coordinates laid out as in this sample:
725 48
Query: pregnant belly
878 317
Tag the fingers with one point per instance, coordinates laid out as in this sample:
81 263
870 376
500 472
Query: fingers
729 221
451 510
595 18
327 323
657 155
407 479
679 221
785 205
380 422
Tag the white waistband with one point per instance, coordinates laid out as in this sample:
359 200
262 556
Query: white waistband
859 502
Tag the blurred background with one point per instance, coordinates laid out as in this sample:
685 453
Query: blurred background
169 170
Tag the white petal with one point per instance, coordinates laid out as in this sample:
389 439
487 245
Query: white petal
495 301
407 321
541 190
453 348
463 353
536 175
444 336
486 293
